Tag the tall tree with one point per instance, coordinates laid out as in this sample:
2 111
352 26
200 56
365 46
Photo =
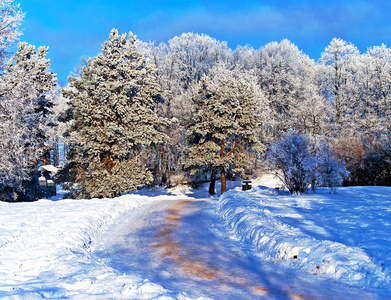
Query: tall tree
244 56
113 104
58 118
166 155
25 107
180 66
378 103
222 130
339 85
287 77
195 55
11 17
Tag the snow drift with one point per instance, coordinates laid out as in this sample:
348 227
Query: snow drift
283 230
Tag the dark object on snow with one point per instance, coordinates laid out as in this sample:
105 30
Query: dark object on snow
246 185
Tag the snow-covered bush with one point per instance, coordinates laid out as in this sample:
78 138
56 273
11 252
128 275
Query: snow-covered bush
302 162
292 157
328 172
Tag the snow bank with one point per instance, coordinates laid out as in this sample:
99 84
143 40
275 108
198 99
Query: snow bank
259 217
44 250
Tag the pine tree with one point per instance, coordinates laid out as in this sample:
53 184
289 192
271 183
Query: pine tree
223 127
25 107
113 104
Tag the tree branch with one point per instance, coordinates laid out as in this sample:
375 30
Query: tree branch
232 150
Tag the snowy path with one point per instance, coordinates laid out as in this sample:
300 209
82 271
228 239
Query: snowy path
182 246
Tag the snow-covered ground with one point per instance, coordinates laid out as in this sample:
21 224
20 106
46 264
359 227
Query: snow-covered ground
48 248
45 249
344 236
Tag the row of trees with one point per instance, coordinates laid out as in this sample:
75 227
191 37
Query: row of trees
141 113
343 97
345 94
218 110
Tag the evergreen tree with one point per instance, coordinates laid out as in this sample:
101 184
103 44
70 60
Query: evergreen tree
180 66
113 104
25 107
223 127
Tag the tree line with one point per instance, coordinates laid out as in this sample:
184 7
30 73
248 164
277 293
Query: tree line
188 110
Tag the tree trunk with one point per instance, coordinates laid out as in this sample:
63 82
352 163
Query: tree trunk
162 150
169 176
46 156
212 183
56 152
223 181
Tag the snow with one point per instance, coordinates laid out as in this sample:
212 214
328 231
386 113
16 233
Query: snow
50 168
343 236
45 250
76 248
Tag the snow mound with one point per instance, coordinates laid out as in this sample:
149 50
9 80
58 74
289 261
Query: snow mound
256 217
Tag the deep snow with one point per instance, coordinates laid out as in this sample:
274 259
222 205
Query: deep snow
64 248
343 236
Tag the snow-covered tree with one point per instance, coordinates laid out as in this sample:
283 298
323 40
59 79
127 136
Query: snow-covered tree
243 56
113 104
223 127
25 106
164 158
194 55
369 122
61 124
180 66
378 100
339 85
311 112
287 77
10 19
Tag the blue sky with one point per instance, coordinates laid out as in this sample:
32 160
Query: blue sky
74 28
